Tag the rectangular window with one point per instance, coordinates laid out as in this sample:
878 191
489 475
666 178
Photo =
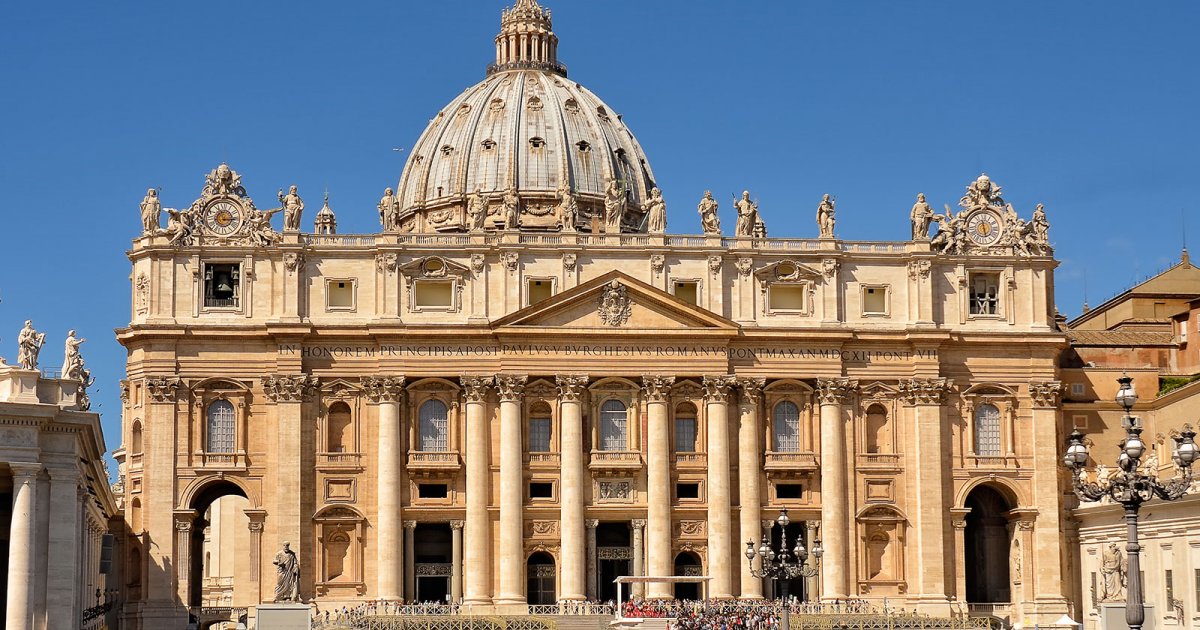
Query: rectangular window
1183 331
339 295
985 293
432 491
541 490
787 298
222 285
688 291
537 290
539 435
1079 422
1078 389
685 435
788 491
875 300
687 490
433 294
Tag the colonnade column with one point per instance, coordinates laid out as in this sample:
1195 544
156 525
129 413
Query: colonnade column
289 392
388 392
720 534
477 579
22 559
657 390
835 565
749 465
456 561
639 554
66 571
570 392
410 561
1046 574
931 461
512 474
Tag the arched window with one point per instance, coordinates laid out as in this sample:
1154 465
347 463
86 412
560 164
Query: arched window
786 424
337 552
539 428
879 434
220 427
135 441
685 428
340 437
613 436
987 430
135 515
433 427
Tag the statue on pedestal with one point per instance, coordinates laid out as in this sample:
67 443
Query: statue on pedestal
1113 566
825 217
179 226
29 344
512 209
656 213
922 216
614 206
389 211
293 208
476 211
568 208
709 221
287 580
747 215
151 207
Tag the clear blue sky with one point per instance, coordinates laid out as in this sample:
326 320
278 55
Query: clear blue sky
1088 107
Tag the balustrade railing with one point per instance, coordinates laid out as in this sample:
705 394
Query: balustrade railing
339 459
879 459
777 459
543 458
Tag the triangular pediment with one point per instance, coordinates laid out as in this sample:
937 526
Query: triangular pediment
615 302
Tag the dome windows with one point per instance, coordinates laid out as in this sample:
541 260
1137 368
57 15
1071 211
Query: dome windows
496 105
447 150
535 104
572 106
488 144
602 113
464 109
583 146
537 142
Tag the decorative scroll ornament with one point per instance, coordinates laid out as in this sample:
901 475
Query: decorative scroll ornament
475 388
545 528
293 261
919 269
835 391
384 388
477 263
751 388
142 286
657 263
223 214
511 260
656 387
511 386
124 395
718 388
691 528
714 264
571 386
744 265
988 225
1046 394
386 263
569 261
290 388
829 267
615 305
162 389
924 391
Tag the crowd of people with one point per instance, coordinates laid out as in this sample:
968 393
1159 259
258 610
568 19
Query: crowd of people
733 614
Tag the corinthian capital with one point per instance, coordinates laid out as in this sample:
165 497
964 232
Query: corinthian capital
718 388
475 388
656 387
290 387
835 391
511 386
924 391
162 389
751 388
571 386
1046 394
384 389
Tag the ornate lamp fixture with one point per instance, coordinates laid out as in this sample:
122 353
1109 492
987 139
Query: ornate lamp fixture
782 564
1130 487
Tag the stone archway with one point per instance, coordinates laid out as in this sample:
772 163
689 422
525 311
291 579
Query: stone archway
212 505
986 553
688 563
542 575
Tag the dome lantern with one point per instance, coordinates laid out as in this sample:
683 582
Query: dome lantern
527 40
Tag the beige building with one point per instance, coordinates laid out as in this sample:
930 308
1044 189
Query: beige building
55 503
522 387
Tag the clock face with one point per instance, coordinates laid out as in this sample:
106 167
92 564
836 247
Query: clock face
983 228
223 218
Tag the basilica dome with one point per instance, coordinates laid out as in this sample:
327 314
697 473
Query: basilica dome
524 139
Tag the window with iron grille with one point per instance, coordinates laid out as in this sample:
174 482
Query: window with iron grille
613 436
220 427
433 426
787 427
987 430
539 435
985 293
685 434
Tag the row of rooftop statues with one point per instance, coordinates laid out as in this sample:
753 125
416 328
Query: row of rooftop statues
29 347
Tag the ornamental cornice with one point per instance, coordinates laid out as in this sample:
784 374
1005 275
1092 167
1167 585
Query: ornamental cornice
1046 394
163 389
751 388
657 387
924 391
835 391
571 386
511 386
290 387
384 389
475 388
718 388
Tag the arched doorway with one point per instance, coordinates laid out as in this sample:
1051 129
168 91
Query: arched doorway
220 546
541 573
796 530
986 546
688 564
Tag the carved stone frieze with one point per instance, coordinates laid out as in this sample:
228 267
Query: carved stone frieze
290 387
829 267
616 490
657 388
744 266
569 261
657 263
477 264
835 391
615 306
571 386
511 260
386 263
691 528
162 389
544 528
511 386
475 388
381 389
924 391
1046 394
718 388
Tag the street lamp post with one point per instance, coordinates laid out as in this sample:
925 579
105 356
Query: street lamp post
1131 488
783 563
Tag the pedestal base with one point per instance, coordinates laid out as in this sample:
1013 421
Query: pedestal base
1112 617
284 617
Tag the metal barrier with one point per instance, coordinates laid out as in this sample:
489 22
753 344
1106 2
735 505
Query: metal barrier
451 622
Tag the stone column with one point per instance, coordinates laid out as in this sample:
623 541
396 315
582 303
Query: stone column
570 391
456 560
592 586
512 476
477 587
410 561
160 605
22 559
931 461
958 521
388 392
657 389
835 565
749 470
720 526
1046 573
639 553
62 553
289 392
257 518
184 520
